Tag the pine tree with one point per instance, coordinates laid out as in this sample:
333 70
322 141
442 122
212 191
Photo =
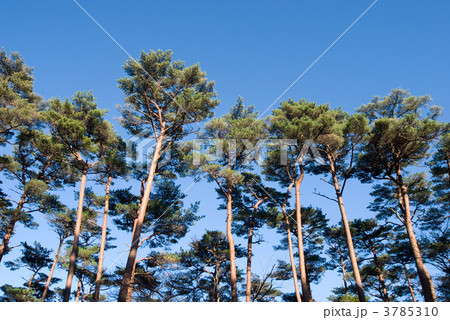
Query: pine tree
19 105
372 240
399 139
339 149
38 166
79 126
339 257
34 258
63 223
234 136
208 260
111 167
255 206
165 100
166 220
297 125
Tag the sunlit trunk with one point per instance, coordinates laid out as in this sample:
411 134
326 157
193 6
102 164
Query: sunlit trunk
76 237
424 277
410 287
129 269
102 242
307 297
49 279
233 274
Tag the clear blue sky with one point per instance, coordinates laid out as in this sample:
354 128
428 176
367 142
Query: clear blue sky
251 48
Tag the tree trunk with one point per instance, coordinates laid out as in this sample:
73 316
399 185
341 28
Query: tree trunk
344 274
76 237
290 247
102 242
77 296
307 297
249 250
31 280
49 279
384 293
129 269
348 235
131 288
248 291
233 275
10 228
218 283
212 286
424 277
411 290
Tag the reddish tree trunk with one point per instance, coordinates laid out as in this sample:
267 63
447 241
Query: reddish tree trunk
76 237
348 235
307 297
233 274
49 279
102 242
129 269
424 277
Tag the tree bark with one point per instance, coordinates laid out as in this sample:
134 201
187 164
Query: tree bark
307 297
102 242
344 274
76 237
49 279
411 290
424 277
10 228
384 293
248 291
233 274
77 296
31 280
129 269
348 235
291 256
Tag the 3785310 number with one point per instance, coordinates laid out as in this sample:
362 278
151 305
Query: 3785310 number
411 311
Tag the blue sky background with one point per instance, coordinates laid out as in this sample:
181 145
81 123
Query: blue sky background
251 48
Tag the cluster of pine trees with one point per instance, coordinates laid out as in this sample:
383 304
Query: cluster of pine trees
395 143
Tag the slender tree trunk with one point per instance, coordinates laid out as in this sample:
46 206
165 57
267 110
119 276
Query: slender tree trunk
31 280
218 283
344 274
410 287
291 257
76 237
290 247
77 296
424 277
133 274
102 242
307 297
129 269
380 275
249 250
248 291
348 235
49 279
10 228
233 274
